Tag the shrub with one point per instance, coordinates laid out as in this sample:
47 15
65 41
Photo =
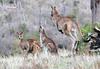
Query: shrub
23 28
1 1
87 28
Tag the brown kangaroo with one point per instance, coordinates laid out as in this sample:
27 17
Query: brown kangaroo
49 43
35 46
28 45
66 25
63 23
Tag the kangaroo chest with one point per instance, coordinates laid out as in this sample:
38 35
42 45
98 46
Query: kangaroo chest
24 45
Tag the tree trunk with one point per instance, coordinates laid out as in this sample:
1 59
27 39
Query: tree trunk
95 8
98 12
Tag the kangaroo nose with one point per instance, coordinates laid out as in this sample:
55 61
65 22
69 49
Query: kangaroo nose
52 15
61 31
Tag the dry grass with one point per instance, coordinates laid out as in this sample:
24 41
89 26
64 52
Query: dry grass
48 61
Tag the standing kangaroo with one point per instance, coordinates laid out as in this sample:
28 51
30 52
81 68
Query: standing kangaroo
28 45
63 23
66 25
49 43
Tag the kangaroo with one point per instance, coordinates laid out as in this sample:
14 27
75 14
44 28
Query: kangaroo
48 42
63 23
28 45
66 25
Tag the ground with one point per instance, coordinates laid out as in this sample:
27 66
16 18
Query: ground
48 61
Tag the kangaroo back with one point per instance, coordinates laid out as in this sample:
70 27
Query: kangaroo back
50 44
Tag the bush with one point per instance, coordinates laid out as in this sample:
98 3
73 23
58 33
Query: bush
23 28
36 35
1 1
87 28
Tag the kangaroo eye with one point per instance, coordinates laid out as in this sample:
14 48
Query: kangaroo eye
21 36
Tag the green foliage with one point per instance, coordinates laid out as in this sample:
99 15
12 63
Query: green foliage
98 25
1 1
23 28
81 46
34 35
87 28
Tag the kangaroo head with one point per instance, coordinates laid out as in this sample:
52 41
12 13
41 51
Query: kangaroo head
54 11
42 31
20 35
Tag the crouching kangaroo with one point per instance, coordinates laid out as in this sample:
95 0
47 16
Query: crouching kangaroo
28 45
48 42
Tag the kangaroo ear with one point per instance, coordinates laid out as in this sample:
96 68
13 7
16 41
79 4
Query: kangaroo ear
52 7
40 27
17 33
21 33
43 30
